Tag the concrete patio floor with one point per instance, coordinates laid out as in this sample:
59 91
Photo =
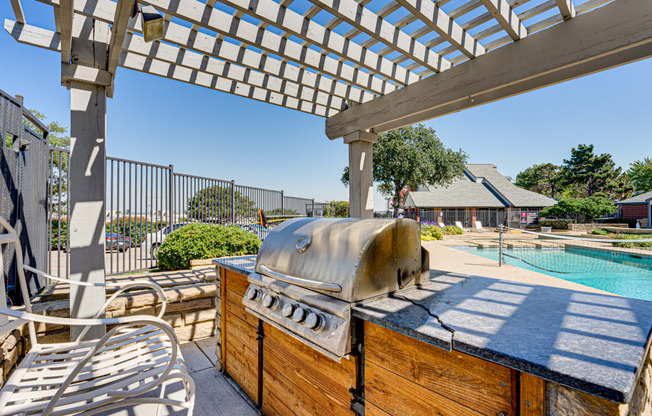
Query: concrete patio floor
215 396
445 259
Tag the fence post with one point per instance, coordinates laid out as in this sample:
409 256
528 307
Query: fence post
171 196
282 202
500 246
313 207
232 202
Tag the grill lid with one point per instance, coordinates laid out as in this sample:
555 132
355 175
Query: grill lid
349 259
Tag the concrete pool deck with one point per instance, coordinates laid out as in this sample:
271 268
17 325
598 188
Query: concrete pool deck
445 259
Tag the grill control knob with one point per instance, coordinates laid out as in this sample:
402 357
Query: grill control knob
288 310
270 301
315 322
299 315
254 295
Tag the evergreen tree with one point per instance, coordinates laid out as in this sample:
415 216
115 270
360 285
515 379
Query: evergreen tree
640 173
543 179
594 175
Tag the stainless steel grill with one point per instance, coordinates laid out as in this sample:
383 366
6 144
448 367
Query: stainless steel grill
310 271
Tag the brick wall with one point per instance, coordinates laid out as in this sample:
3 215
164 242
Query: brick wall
634 211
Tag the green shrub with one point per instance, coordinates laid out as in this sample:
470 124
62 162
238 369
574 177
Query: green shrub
337 209
55 242
600 231
560 224
431 232
453 230
645 245
136 228
589 208
203 241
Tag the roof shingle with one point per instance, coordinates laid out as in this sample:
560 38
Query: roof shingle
481 186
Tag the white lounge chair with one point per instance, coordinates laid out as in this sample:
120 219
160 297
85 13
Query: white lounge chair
126 367
459 224
478 227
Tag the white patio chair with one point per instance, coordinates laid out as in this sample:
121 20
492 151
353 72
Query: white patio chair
479 228
459 224
441 225
123 368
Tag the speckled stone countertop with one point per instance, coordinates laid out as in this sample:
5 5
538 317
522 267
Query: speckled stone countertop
590 342
239 264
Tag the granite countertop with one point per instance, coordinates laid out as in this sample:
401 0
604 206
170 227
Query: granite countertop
239 264
590 342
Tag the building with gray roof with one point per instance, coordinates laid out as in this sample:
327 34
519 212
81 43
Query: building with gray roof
480 194
638 207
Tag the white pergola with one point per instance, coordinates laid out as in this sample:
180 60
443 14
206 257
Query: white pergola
367 66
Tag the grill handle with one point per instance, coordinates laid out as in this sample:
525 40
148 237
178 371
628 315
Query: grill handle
299 281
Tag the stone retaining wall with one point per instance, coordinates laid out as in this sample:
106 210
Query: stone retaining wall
593 226
190 310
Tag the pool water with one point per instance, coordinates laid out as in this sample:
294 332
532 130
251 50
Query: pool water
612 272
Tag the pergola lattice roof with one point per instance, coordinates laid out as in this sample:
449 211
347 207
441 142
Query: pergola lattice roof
317 56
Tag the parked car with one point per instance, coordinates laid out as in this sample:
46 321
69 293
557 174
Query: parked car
154 240
117 242
257 229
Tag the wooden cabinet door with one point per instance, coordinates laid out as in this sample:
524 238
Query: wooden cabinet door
239 332
300 381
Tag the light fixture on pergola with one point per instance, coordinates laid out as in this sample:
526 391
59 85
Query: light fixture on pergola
367 66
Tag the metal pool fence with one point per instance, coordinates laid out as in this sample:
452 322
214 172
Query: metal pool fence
23 190
145 202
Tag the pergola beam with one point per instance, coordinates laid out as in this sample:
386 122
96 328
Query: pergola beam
213 67
436 19
616 34
229 26
313 33
18 11
66 14
118 30
216 20
166 70
174 63
380 29
216 47
566 9
503 13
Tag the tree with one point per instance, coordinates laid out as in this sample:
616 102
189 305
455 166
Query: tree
58 138
338 209
594 175
409 157
214 204
542 179
57 133
596 207
640 173
591 208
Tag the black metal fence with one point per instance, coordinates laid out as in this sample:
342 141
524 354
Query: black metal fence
488 217
145 202
23 190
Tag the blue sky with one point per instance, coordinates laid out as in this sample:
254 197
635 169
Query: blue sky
208 133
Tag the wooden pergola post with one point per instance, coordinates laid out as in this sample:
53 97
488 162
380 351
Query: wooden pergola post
86 225
361 184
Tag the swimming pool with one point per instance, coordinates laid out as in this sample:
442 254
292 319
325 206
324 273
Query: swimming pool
612 272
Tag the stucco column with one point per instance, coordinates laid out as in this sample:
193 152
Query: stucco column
361 185
86 225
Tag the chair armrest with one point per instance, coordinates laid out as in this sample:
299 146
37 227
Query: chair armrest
89 284
55 320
